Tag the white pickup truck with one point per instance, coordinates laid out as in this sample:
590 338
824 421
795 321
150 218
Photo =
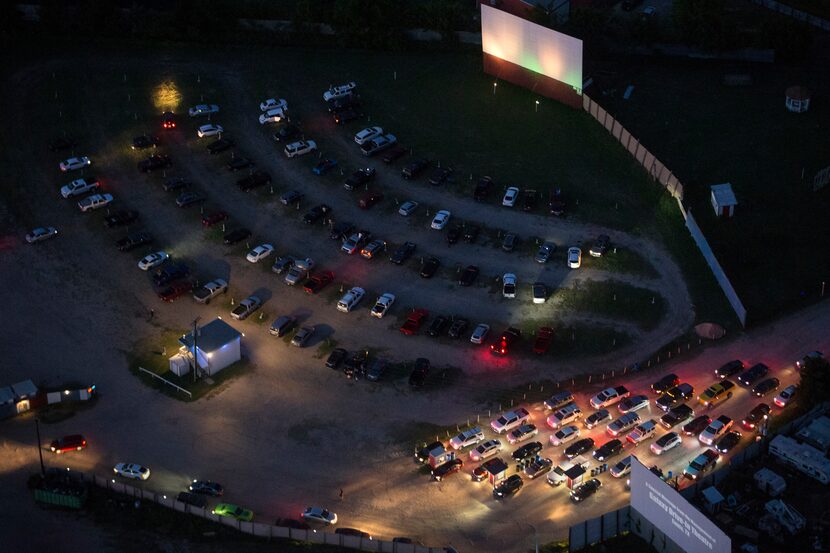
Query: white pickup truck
96 201
299 271
210 290
378 144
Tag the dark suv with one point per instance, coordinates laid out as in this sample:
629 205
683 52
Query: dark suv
170 273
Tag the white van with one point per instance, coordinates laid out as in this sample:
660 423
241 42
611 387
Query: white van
350 300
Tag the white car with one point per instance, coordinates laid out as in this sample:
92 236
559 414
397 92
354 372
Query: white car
440 220
74 163
272 116
203 109
509 420
781 400
540 293
574 258
565 435
210 290
508 289
350 299
510 197
480 333
318 514
209 130
153 260
272 103
95 201
524 432
41 233
382 305
130 470
79 186
367 134
467 438
299 148
609 396
666 442
339 91
407 208
622 468
259 253
485 450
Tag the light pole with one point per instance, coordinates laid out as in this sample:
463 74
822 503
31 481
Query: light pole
537 106
494 88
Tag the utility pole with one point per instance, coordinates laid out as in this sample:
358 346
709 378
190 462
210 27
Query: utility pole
39 448
195 350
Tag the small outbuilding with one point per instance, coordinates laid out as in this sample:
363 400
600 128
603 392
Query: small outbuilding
723 200
217 345
798 99
712 500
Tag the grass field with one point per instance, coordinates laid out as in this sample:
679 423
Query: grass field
776 250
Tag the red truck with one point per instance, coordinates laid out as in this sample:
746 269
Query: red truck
414 321
544 337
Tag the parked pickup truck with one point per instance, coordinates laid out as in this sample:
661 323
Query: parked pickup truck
210 291
677 394
378 144
609 396
299 271
543 340
557 475
677 415
414 321
96 201
642 432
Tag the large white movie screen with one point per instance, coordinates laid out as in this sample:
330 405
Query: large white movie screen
673 515
531 46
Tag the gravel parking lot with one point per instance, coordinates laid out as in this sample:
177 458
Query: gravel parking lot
291 432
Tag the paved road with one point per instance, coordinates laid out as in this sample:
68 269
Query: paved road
291 432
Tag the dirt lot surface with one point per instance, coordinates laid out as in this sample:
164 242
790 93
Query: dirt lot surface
290 432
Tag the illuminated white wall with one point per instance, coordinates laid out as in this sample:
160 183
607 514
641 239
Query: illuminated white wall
531 46
670 513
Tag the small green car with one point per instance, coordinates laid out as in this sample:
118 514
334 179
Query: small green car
235 511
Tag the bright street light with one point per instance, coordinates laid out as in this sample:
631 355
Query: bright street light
494 88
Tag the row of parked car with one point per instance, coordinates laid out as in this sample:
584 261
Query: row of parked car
628 429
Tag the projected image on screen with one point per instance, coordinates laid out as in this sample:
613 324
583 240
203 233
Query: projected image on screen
661 505
531 46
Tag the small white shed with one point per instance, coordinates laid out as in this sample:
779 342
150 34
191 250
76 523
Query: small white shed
723 200
218 345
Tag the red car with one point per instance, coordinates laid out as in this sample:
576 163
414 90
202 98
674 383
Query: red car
168 120
414 321
543 340
318 282
369 199
175 290
210 219
76 442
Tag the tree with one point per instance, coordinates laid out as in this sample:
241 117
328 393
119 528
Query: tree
815 381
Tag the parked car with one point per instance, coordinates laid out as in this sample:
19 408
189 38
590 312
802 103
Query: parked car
544 252
633 403
283 324
273 103
347 114
701 464
339 91
169 273
237 163
579 447
509 420
485 450
80 186
468 275
665 383
209 130
538 467
622 467
359 178
299 148
132 470
350 299
666 442
355 365
608 450
302 336
785 396
75 163
407 208
564 435
508 289
168 120
595 418
414 321
403 253
729 369
236 235
609 396
467 438
559 399
144 141
40 234
133 241
430 267
420 373
440 175
120 218
318 281
757 371
480 333
318 514
600 246
378 144
766 386
436 328
414 169
272 116
175 183
189 198
287 132
324 166
504 343
316 213
544 339
623 424
376 371
259 253
715 430
155 161
210 290
203 109
728 442
509 487
697 425
95 201
254 180
153 260
482 189
336 357
450 467
246 307
394 153
369 199
459 325
510 196
382 305
586 490
522 433
440 220
509 242
365 135
574 258
75 442
176 290
529 199
539 292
